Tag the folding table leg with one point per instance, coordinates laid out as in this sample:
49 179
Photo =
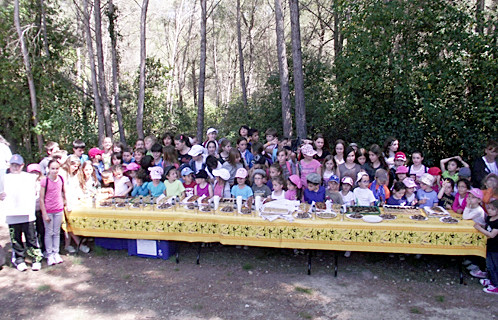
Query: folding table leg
178 254
199 253
309 262
336 260
460 269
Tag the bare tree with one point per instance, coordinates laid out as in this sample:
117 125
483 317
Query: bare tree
95 86
283 69
115 69
100 65
141 83
29 74
297 63
44 28
241 58
202 73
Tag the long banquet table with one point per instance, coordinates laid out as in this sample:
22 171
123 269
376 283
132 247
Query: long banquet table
401 235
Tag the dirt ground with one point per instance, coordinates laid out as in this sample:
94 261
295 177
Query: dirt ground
230 283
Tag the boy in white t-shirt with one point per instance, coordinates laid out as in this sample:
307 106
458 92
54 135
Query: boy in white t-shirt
362 194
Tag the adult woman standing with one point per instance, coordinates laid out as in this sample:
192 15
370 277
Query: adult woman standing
182 145
5 155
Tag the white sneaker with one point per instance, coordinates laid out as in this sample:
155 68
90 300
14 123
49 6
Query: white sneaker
36 266
84 248
51 260
22 266
57 258
70 249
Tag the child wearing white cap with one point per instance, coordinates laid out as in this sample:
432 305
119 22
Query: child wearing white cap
363 195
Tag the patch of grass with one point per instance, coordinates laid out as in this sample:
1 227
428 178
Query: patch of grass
77 260
127 276
44 287
304 315
247 266
197 307
99 251
229 273
440 298
177 269
303 290
415 310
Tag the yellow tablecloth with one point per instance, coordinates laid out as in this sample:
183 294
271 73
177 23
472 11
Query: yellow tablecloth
402 235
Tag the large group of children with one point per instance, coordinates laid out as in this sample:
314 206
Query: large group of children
278 168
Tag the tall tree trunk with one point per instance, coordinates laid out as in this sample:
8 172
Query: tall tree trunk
100 65
29 74
115 70
44 29
141 83
202 73
297 62
241 58
283 70
95 86
480 16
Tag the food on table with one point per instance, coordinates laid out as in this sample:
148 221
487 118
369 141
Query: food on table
355 215
387 216
419 217
192 198
326 215
437 209
363 209
120 204
303 215
164 206
320 205
274 211
245 210
401 210
449 220
205 209
135 205
227 209
106 204
206 200
191 206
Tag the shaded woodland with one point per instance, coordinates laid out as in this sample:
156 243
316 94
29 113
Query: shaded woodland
423 71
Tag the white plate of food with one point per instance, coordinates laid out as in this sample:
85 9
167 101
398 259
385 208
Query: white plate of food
372 219
388 216
354 216
418 217
436 212
448 219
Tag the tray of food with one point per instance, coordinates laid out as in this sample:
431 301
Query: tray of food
164 206
227 209
448 219
105 204
190 199
364 209
245 210
436 212
268 211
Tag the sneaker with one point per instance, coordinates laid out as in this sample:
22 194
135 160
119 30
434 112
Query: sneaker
491 289
347 254
485 282
22 266
471 267
57 258
51 260
479 274
84 248
36 266
70 249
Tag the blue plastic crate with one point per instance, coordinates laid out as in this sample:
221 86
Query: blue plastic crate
112 243
156 249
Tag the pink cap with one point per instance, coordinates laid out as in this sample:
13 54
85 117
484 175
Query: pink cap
402 169
308 150
409 183
132 167
476 193
296 180
93 152
241 173
399 156
34 167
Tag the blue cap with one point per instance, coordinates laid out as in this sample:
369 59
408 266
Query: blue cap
334 178
186 171
16 159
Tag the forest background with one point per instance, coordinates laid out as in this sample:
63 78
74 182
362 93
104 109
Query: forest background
424 71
